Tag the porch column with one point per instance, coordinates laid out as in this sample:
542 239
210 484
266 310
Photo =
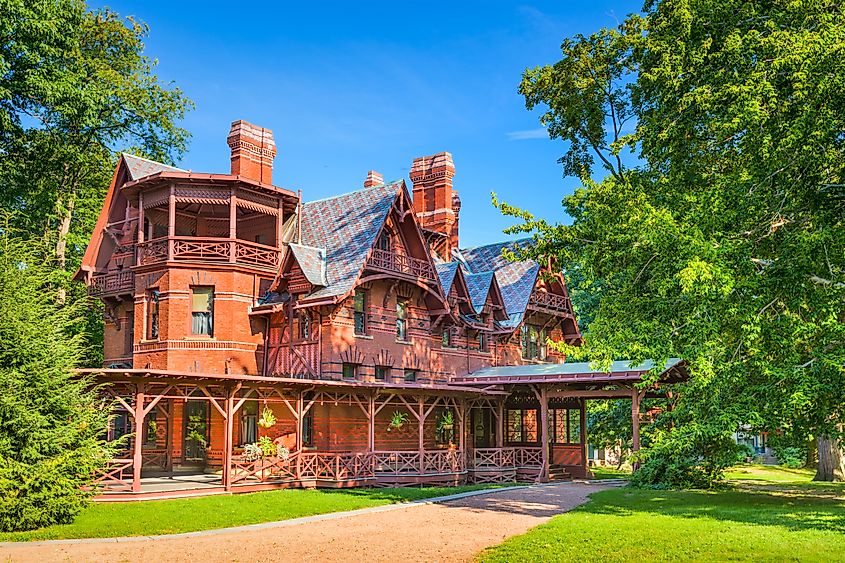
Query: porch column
227 439
544 434
137 458
233 224
421 425
636 397
371 426
168 439
298 415
584 437
501 424
171 221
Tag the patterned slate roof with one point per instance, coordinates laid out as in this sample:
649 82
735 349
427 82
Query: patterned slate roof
479 286
312 261
346 227
516 279
140 167
446 274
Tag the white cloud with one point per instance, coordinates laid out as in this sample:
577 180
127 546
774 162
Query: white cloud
540 133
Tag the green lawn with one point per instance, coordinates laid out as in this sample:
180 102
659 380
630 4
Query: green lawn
609 473
103 520
769 514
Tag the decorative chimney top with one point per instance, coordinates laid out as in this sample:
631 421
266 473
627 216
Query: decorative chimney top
373 179
253 150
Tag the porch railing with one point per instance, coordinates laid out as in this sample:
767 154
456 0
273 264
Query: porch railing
207 249
509 457
400 263
546 300
301 360
116 476
112 284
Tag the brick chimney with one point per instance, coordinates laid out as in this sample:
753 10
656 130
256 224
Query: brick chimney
253 151
434 200
373 179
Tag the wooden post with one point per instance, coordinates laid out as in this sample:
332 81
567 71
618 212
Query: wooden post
421 424
168 440
227 439
544 434
171 221
584 437
636 397
371 419
137 459
233 224
299 416
501 424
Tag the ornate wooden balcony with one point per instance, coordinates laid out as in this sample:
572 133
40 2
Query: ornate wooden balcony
550 302
116 283
206 249
394 263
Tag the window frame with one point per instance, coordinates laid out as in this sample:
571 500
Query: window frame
528 425
446 338
401 320
209 312
359 314
153 312
353 370
248 423
410 375
385 373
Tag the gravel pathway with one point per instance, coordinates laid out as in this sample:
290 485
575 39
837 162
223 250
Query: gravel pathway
452 530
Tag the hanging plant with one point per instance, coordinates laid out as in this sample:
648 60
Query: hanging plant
397 421
268 448
447 421
267 419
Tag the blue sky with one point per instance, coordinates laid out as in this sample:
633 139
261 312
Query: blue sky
347 88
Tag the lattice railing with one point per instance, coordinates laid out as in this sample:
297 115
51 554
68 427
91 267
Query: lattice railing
265 469
335 466
117 282
493 458
400 263
397 463
528 457
547 300
443 461
206 249
115 476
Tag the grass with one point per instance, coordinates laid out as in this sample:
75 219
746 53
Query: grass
609 473
767 514
105 520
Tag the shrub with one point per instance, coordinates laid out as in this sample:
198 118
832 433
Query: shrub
790 456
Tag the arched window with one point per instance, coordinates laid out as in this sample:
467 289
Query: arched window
384 241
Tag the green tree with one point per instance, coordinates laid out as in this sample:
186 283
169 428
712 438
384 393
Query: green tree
51 424
724 242
75 87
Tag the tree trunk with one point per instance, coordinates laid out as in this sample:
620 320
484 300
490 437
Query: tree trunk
831 460
65 217
812 461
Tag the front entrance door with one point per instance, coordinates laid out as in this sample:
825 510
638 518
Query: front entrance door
483 428
196 432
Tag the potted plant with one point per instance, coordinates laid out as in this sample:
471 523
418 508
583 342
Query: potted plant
268 419
447 421
397 421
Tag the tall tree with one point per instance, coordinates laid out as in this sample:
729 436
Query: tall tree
724 242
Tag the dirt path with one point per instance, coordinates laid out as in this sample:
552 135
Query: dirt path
448 531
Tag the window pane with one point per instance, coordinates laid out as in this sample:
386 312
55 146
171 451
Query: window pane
401 322
530 426
360 298
349 371
515 426
359 314
308 429
152 321
410 375
381 373
202 306
574 426
201 299
560 426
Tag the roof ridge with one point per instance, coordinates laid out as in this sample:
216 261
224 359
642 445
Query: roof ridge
384 185
471 248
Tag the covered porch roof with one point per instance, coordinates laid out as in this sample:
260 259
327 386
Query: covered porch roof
577 372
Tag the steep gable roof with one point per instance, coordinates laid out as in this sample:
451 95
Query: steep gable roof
516 279
346 226
312 261
446 274
479 288
138 167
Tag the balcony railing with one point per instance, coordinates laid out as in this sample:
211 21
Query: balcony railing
399 263
546 300
112 284
204 249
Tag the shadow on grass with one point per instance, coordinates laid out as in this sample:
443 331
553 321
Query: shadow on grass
791 509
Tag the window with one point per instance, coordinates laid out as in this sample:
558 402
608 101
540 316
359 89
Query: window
401 320
152 314
383 242
359 311
410 375
308 429
482 341
522 425
202 310
119 425
446 338
349 371
533 341
249 422
565 426
304 326
382 372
